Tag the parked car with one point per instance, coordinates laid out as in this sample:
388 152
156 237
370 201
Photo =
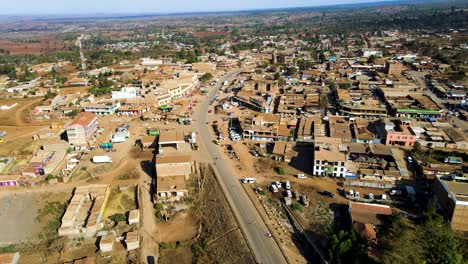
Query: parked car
410 159
278 184
255 153
384 197
273 188
248 180
287 185
328 194
301 176
371 196
288 193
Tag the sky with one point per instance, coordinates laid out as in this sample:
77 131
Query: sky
61 7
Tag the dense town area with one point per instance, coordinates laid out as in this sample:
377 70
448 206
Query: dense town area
310 135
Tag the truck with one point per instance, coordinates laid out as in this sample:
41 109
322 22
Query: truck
117 139
102 159
454 160
153 132
106 145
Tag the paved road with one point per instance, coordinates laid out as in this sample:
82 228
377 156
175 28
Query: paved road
264 248
419 76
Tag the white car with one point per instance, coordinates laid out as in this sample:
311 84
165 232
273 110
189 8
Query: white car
248 180
301 176
278 184
410 160
273 188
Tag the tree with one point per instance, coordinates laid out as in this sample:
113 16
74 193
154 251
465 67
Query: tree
347 246
280 170
323 102
206 77
322 57
371 59
118 218
437 239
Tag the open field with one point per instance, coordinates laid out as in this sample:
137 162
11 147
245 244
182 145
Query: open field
33 47
120 202
220 239
26 216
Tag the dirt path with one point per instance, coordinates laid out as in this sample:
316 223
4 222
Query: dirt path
148 230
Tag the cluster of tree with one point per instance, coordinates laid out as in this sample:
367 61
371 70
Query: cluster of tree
206 77
101 58
101 85
26 74
72 55
189 56
432 241
245 46
9 70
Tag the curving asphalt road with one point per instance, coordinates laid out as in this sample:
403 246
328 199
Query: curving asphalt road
265 248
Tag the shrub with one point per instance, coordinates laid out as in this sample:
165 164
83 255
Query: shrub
165 245
297 207
179 244
158 206
118 217
280 170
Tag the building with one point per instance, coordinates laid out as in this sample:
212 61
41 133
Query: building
394 68
171 138
81 131
366 217
83 216
125 93
171 188
171 165
401 135
108 108
9 180
106 243
328 161
134 217
132 241
360 103
452 197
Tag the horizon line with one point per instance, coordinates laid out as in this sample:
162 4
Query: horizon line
175 13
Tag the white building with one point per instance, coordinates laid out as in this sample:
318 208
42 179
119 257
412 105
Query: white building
125 93
329 163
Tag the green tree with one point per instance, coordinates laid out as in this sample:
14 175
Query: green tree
347 246
371 59
118 218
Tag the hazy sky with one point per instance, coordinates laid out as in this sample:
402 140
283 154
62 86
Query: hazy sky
59 7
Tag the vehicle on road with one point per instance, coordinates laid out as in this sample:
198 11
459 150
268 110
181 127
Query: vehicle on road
102 159
151 260
301 176
248 180
216 141
118 139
